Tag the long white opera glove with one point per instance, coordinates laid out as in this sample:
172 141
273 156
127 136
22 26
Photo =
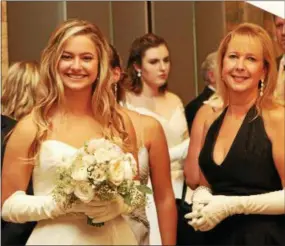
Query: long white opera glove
220 207
179 152
21 208
109 211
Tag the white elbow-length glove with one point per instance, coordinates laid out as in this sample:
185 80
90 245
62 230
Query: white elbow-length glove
21 208
179 152
220 207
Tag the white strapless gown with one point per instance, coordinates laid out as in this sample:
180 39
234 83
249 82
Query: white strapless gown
70 229
174 129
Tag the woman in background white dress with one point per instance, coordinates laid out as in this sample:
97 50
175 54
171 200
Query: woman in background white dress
77 105
153 159
146 92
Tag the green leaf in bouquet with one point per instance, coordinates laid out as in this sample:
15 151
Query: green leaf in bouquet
127 199
144 189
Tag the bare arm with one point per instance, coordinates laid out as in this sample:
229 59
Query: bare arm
161 181
191 167
17 168
274 126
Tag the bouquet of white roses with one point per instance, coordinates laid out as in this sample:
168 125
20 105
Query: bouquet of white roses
100 170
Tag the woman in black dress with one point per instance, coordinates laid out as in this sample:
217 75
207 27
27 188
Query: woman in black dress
240 200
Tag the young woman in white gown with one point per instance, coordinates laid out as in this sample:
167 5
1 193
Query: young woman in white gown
76 105
146 93
154 165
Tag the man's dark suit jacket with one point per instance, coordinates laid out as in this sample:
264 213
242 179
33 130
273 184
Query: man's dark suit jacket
13 234
192 107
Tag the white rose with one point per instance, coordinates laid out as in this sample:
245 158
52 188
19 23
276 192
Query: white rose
102 155
128 170
79 171
84 191
116 171
88 160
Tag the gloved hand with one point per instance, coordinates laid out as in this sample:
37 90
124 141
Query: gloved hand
105 212
21 208
179 152
200 197
220 207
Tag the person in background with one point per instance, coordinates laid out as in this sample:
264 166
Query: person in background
154 165
208 68
146 92
240 147
18 98
280 34
19 89
76 105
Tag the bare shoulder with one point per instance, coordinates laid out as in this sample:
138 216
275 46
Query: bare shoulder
125 116
276 115
175 99
145 121
207 115
274 119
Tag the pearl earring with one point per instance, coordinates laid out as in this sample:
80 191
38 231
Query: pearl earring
139 74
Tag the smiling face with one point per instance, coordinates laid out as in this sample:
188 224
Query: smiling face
155 66
78 64
243 64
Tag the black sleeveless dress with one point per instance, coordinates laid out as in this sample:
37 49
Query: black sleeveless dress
248 169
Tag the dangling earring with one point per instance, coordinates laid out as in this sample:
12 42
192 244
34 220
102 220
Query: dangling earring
261 88
139 74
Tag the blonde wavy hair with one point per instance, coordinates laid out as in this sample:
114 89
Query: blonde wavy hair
104 105
19 89
221 97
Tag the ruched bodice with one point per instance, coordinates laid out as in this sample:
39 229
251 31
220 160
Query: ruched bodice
70 229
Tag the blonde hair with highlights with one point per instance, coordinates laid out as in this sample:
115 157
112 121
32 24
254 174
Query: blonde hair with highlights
104 105
257 33
19 89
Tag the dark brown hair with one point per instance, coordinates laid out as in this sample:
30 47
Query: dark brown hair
137 52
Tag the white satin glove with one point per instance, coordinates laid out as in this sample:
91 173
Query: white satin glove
22 208
200 197
220 207
179 152
108 211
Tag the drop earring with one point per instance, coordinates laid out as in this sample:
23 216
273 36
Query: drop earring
139 74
